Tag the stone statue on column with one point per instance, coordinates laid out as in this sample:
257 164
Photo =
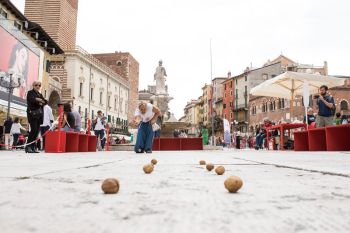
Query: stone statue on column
160 79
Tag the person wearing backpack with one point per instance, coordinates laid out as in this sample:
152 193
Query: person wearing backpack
326 108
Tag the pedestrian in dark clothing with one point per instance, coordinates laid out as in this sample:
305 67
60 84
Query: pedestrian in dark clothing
7 125
35 103
326 108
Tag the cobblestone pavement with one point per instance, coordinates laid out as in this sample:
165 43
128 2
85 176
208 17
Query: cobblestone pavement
283 192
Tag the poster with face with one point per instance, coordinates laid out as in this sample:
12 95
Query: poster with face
19 60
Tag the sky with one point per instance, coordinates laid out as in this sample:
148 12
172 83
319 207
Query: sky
242 33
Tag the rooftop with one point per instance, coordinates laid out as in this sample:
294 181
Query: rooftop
33 28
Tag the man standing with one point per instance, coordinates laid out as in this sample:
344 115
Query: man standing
47 122
148 115
100 128
326 108
7 125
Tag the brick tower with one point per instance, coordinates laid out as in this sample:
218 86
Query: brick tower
57 17
126 66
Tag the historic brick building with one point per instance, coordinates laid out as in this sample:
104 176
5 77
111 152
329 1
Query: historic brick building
228 98
276 109
127 67
57 17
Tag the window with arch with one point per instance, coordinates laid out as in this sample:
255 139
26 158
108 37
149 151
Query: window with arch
119 63
279 104
264 107
81 86
344 105
282 104
254 110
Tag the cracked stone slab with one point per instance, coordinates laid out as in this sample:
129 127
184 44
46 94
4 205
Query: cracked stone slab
62 193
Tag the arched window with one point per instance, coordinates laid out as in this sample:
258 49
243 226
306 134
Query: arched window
344 105
282 103
279 104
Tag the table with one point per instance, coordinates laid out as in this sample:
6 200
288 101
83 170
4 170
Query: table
282 128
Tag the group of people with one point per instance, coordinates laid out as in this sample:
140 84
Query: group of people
325 116
41 119
12 132
179 133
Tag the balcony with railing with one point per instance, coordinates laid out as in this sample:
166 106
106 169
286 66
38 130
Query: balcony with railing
77 50
243 107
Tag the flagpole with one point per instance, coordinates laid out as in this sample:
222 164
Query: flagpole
212 95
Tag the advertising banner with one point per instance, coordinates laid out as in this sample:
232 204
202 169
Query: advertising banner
19 60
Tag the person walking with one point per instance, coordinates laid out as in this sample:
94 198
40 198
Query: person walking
47 123
35 103
148 114
326 107
99 128
16 131
7 132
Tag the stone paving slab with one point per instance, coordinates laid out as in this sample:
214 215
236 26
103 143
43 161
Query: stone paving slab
327 162
61 193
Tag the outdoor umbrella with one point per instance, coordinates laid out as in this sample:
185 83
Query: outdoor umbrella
290 84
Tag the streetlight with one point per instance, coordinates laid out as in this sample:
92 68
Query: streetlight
9 85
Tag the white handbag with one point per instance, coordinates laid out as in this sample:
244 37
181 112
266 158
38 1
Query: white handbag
155 127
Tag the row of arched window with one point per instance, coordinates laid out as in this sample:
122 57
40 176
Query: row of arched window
270 106
280 104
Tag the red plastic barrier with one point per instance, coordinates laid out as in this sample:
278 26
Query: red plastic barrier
156 144
177 144
83 143
55 142
92 143
108 139
301 141
191 144
170 144
317 139
89 127
338 138
72 142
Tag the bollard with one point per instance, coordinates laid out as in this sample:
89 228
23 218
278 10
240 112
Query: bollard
89 127
60 116
59 126
107 137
